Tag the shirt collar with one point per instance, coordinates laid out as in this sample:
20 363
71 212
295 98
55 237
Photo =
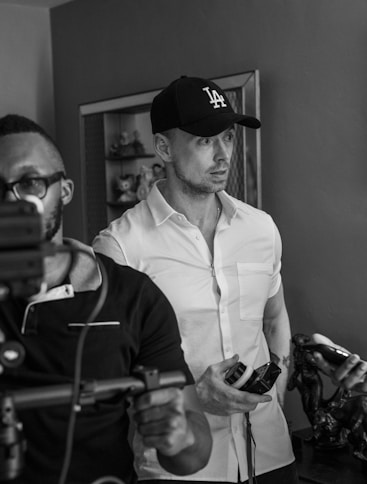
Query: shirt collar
162 211
229 205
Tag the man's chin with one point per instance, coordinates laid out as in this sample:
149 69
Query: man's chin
218 187
51 233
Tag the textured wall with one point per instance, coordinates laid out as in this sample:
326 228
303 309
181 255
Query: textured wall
26 82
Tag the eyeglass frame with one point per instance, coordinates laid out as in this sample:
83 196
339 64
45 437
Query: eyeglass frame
49 180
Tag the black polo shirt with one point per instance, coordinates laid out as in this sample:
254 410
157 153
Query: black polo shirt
136 326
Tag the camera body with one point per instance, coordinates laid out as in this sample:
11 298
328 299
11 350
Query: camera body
21 250
247 379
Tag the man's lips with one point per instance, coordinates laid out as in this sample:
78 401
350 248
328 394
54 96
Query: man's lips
219 172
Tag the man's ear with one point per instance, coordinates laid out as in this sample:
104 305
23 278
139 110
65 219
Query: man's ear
162 147
67 190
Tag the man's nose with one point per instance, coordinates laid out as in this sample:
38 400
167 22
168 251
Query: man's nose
222 151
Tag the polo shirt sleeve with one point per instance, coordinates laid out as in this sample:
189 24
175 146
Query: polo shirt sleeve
276 279
160 343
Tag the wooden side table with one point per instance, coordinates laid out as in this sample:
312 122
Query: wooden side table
329 466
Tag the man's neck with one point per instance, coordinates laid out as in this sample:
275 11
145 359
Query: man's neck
56 269
202 211
58 265
197 208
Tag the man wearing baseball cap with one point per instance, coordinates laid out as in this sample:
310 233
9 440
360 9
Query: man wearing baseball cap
217 259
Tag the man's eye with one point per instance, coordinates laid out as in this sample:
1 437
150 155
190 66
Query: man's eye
29 183
204 141
230 136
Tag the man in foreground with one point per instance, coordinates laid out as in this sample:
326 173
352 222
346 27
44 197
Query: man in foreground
135 325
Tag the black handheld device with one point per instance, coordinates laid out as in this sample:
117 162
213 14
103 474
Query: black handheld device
23 248
260 381
21 257
332 355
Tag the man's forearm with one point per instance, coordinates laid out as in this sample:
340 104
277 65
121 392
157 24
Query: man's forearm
279 346
281 383
196 456
278 336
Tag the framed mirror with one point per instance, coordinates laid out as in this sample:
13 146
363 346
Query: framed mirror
110 129
244 181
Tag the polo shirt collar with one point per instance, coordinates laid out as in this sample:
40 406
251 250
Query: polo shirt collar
162 211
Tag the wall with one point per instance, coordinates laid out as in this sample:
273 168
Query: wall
26 82
312 62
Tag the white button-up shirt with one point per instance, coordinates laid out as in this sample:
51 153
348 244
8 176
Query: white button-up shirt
219 301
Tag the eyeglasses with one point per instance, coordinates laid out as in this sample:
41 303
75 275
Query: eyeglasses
30 185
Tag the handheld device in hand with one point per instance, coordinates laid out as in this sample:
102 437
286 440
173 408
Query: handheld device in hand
332 355
254 381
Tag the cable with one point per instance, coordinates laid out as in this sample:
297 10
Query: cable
78 368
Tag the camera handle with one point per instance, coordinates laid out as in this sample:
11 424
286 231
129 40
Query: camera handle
12 443
146 379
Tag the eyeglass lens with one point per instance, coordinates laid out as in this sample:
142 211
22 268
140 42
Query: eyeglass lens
31 186
36 186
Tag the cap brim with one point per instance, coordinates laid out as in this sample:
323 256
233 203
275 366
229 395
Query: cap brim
214 125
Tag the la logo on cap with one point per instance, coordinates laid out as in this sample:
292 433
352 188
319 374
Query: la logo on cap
216 99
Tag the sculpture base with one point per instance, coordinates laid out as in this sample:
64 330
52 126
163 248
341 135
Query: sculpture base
325 466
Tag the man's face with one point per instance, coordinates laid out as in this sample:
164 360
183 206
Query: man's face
202 164
27 155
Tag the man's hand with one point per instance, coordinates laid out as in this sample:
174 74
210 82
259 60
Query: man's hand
172 421
351 375
219 398
161 420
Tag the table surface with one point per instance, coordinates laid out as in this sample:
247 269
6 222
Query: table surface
329 466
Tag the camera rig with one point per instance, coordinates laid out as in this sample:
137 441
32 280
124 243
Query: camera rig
22 253
12 440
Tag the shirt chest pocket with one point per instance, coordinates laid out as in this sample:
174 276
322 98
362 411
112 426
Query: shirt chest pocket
100 326
102 348
254 279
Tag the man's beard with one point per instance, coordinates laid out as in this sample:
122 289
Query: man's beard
200 187
53 224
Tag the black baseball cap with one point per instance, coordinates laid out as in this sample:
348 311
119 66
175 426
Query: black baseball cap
197 106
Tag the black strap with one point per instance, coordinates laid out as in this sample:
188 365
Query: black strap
249 441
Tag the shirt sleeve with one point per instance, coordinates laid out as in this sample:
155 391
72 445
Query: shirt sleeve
276 279
105 243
